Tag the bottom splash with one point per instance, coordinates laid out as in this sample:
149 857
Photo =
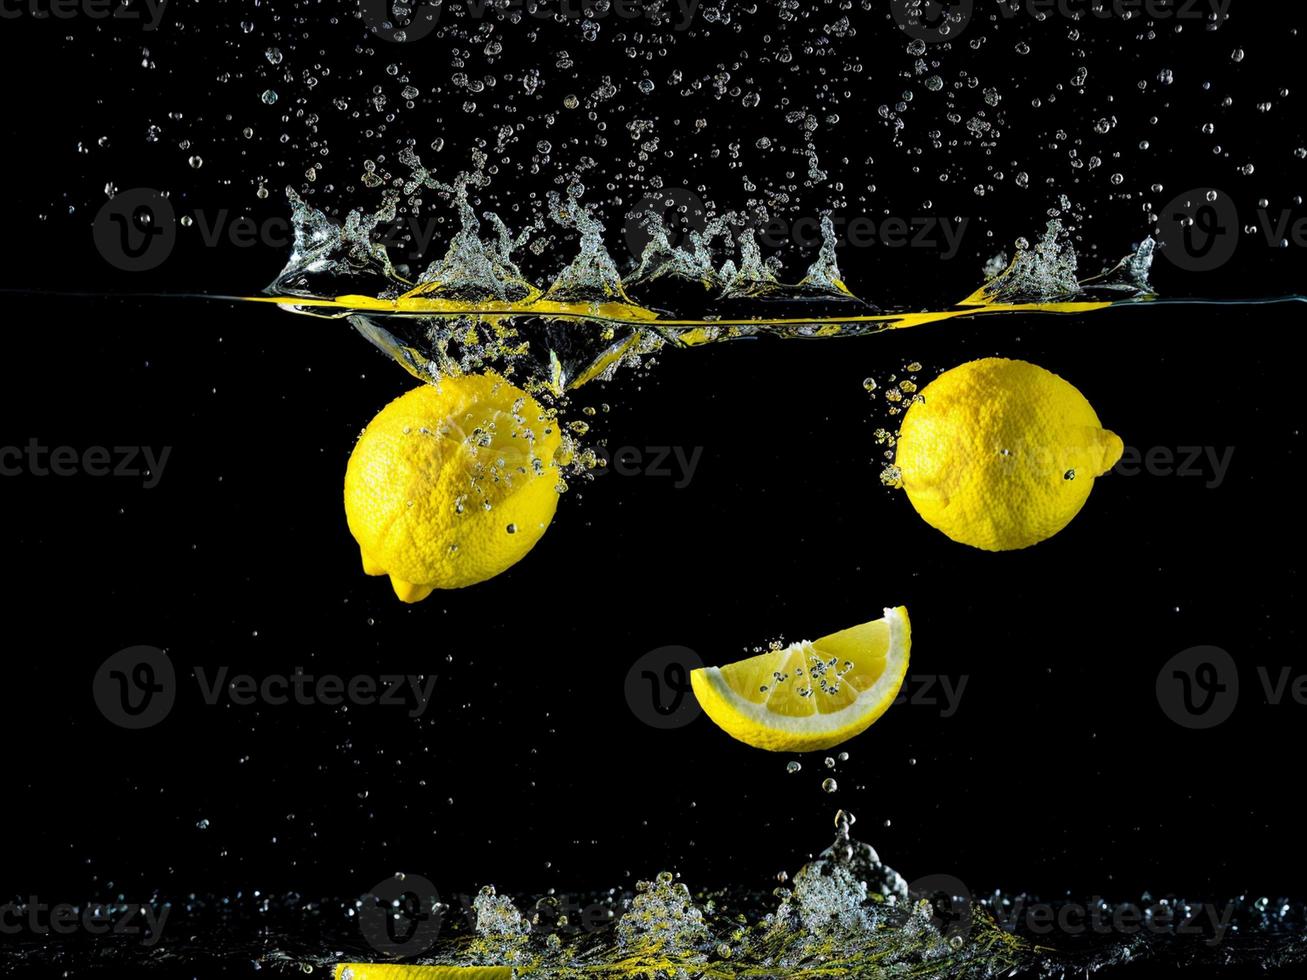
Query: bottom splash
844 914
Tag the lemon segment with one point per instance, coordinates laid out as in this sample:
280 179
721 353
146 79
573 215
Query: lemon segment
451 484
810 695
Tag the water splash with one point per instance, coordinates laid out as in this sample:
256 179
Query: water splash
1048 271
844 914
473 309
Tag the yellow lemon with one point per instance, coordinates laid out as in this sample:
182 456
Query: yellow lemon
404 971
452 483
1001 454
810 695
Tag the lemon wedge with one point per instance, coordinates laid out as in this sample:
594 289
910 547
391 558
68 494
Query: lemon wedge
810 695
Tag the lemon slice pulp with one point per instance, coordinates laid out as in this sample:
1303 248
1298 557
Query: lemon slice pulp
811 695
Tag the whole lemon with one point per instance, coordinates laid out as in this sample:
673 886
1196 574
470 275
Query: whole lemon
1001 454
452 483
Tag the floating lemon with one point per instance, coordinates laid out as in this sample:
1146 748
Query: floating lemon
452 483
810 695
1001 454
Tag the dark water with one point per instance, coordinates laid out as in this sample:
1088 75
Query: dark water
1055 777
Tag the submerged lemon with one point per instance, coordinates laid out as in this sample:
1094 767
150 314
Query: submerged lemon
1001 454
405 971
810 695
451 484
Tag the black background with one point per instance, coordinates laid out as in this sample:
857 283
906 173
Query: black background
1058 772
